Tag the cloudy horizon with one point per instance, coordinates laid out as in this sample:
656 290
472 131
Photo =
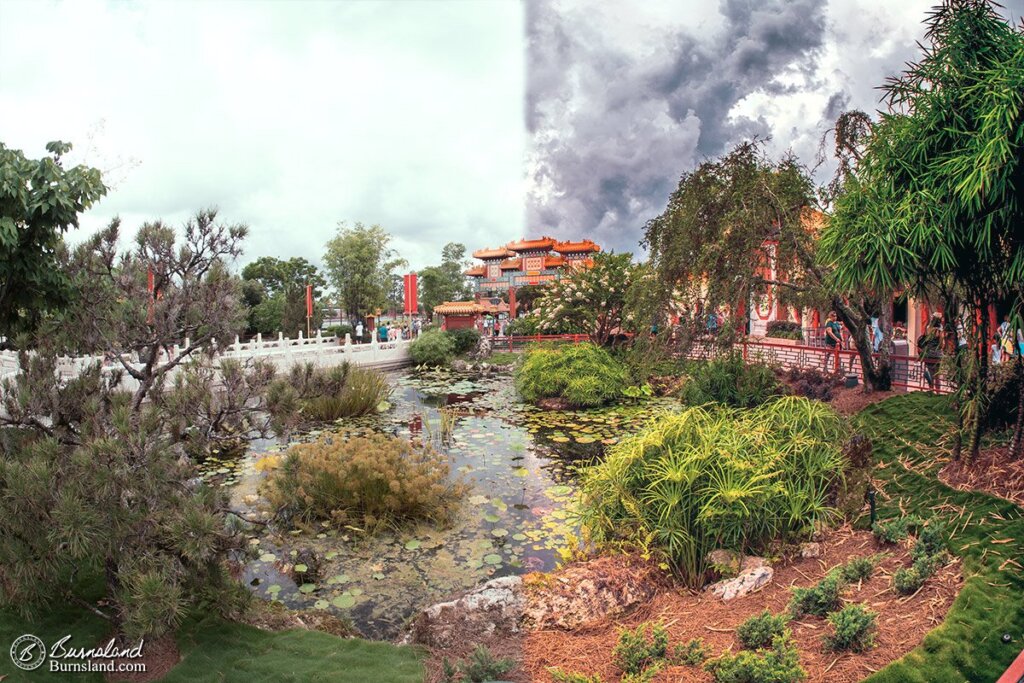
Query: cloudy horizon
476 122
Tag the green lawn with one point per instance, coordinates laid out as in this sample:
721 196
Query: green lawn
968 645
216 650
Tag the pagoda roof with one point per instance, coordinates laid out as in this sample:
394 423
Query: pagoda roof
488 307
553 261
511 264
458 308
581 247
475 271
543 243
486 254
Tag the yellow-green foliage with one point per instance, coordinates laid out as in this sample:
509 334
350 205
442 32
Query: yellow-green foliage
327 394
365 481
717 478
585 375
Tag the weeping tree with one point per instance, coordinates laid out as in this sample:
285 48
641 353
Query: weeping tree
937 200
103 458
727 221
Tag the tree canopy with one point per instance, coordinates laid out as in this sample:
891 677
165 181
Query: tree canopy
444 282
40 200
275 291
361 265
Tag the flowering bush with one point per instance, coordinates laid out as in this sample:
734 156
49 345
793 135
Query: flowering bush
587 300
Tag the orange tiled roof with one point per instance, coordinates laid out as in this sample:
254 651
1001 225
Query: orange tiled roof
500 307
500 252
511 264
458 308
544 243
553 261
475 271
580 247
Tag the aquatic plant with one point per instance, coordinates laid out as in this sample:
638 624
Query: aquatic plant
320 394
731 381
711 478
585 375
432 349
368 482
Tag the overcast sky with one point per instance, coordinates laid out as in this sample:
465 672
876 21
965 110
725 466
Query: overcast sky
475 120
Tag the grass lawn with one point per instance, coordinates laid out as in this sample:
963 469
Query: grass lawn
216 650
987 533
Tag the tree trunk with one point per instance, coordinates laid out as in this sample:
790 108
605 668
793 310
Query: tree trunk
980 413
1017 443
877 372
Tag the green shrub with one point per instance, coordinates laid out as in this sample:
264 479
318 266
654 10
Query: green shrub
482 666
464 339
640 648
585 375
691 653
780 664
931 540
783 329
526 326
561 676
341 330
327 394
731 381
367 481
894 530
434 349
907 581
710 478
759 630
857 569
853 628
819 599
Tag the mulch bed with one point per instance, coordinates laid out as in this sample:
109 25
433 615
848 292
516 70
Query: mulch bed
992 472
852 401
902 621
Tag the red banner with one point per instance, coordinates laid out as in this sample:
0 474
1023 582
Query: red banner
409 288
309 301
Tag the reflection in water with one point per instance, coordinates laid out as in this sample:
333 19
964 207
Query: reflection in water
517 518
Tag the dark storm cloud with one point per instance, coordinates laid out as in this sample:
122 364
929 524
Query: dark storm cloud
612 129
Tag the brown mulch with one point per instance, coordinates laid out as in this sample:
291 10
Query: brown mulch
158 655
991 472
902 621
852 401
505 647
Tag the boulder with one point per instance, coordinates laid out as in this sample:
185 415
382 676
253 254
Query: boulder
753 576
493 606
588 592
483 348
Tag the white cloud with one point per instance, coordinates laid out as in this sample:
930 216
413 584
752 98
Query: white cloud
289 116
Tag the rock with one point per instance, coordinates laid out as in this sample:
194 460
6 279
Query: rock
483 348
749 580
459 365
725 562
810 550
494 606
554 403
588 592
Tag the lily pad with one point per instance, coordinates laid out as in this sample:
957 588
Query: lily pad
301 568
493 558
412 545
344 601
307 588
268 557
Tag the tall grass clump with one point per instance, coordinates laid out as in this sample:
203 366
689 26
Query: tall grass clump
327 394
584 375
711 478
369 482
433 349
731 381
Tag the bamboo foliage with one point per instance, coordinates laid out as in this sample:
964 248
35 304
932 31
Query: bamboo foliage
711 478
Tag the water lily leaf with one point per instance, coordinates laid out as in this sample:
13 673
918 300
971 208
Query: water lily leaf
492 518
307 588
412 545
378 577
493 558
301 568
268 557
274 589
338 578
321 604
499 533
344 601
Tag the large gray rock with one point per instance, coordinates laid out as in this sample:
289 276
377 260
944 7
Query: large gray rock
493 606
754 575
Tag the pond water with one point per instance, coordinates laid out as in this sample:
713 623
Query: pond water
517 518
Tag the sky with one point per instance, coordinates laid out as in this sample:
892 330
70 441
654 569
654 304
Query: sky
476 121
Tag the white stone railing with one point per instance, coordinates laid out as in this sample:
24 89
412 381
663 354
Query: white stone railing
283 352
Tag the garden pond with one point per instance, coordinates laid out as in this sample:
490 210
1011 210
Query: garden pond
517 518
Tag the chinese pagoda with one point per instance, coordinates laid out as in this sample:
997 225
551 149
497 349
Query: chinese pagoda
505 269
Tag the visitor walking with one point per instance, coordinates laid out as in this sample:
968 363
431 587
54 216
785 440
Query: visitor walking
996 349
929 350
359 332
833 338
382 332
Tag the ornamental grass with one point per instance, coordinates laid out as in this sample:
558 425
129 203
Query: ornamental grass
712 478
369 482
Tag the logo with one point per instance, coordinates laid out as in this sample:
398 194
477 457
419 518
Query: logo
28 652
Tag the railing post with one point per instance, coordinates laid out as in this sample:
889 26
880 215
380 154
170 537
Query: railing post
259 341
